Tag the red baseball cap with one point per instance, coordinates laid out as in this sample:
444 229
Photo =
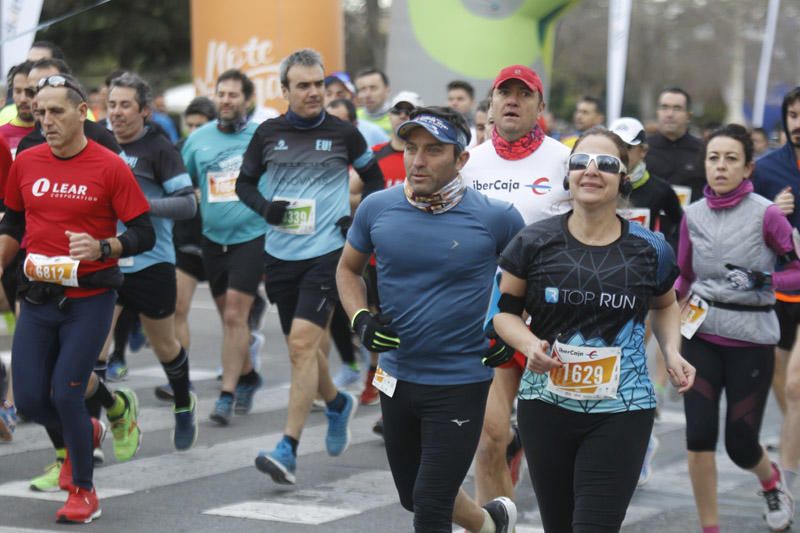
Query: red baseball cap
522 73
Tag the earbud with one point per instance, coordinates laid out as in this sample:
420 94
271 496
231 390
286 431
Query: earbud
625 187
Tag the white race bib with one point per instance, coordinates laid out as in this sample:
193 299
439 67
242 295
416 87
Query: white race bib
299 218
384 382
587 373
61 270
639 215
125 262
222 186
692 315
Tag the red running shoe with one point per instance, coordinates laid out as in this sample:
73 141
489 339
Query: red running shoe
370 395
65 476
82 506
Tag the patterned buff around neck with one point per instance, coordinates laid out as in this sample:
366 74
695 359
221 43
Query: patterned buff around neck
439 202
521 148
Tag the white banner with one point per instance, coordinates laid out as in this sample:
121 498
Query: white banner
762 81
18 17
619 20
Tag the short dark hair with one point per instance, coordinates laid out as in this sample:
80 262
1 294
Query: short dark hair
788 99
678 90
484 105
350 106
201 106
112 76
622 148
235 74
59 64
22 68
760 131
447 114
372 70
144 94
464 86
598 104
737 132
55 50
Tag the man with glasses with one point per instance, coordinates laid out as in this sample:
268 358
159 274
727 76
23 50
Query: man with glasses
523 166
674 153
65 198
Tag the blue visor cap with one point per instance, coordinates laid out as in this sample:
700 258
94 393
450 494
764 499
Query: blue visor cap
443 130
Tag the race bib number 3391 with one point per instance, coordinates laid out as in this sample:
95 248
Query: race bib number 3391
587 373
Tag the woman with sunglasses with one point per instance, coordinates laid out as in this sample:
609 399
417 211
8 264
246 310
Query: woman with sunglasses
588 279
729 243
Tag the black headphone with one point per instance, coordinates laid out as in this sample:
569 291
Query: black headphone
625 186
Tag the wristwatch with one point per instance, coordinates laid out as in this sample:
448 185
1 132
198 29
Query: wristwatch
105 249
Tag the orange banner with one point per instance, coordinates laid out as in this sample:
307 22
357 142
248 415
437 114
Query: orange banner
255 35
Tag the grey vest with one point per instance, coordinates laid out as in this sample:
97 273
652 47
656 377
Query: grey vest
735 236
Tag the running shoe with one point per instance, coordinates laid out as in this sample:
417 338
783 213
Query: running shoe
280 464
647 467
244 396
223 410
377 428
185 434
503 513
81 508
346 376
125 428
338 437
8 421
778 504
137 338
515 456
370 395
48 482
117 371
256 343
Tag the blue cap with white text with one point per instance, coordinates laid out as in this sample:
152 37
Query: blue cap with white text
443 130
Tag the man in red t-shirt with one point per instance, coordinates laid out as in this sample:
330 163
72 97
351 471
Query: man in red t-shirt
64 199
22 124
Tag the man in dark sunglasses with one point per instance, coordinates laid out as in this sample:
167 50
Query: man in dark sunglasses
22 124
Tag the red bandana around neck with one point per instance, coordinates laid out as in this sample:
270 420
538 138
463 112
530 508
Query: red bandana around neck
519 149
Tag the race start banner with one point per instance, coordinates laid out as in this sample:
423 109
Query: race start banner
255 35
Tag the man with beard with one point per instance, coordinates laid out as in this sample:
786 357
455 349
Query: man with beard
23 123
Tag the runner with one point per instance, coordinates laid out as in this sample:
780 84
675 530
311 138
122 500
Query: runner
588 114
74 184
585 410
434 386
302 160
373 89
523 166
22 123
233 236
729 245
149 288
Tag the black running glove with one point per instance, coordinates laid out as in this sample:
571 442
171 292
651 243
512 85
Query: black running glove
274 212
744 279
374 331
344 224
498 352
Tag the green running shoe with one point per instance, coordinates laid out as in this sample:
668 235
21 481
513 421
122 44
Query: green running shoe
125 429
48 482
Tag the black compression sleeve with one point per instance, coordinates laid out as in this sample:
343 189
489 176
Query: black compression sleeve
372 178
13 224
248 193
139 236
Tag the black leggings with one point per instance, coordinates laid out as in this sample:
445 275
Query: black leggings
584 467
746 375
431 434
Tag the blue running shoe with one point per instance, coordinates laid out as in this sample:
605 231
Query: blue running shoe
338 437
647 467
346 376
280 464
185 434
223 410
8 421
117 371
244 396
136 339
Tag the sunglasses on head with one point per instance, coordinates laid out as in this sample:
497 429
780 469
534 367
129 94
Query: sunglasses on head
603 162
402 110
58 80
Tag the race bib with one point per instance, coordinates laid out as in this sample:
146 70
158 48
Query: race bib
684 195
299 218
61 270
222 186
587 373
384 382
692 315
124 262
636 214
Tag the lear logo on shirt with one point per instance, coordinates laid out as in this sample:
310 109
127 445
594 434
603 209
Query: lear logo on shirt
553 295
540 186
502 184
281 145
323 145
67 191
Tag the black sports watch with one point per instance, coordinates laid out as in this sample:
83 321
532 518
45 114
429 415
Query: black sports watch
105 249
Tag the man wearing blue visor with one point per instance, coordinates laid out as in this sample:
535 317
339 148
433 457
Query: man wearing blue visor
430 332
